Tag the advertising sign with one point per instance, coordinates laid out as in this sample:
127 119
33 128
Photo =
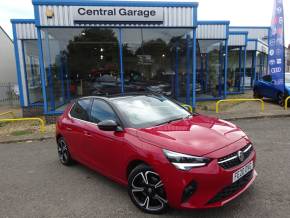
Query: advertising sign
276 46
117 14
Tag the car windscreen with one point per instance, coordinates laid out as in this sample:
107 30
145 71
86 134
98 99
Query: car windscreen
149 110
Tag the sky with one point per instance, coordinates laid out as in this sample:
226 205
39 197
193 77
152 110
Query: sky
239 12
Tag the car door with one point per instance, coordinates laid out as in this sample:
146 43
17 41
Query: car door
104 149
267 87
74 126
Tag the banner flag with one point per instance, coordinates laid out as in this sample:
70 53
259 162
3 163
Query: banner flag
276 46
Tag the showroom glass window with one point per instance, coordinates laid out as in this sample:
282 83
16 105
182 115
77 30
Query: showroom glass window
210 69
235 68
250 68
32 70
261 65
80 62
158 60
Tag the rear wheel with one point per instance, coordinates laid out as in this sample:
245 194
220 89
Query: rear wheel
146 190
63 152
281 99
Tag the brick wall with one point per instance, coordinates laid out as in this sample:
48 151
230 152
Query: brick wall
37 111
51 119
34 111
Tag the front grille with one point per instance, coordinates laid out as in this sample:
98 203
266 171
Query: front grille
232 189
232 160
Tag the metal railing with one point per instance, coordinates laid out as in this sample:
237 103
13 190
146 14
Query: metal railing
240 100
8 94
188 107
42 124
8 112
286 102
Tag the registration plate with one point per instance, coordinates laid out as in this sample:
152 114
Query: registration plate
243 171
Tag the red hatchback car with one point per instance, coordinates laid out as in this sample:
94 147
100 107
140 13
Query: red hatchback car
165 155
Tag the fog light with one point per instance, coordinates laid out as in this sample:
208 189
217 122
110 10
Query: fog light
189 191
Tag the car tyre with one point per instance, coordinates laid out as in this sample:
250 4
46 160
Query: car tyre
146 190
63 152
257 95
281 99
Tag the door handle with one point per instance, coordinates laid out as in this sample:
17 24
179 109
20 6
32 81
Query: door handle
68 129
86 133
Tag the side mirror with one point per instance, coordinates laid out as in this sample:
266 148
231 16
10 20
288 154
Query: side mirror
108 125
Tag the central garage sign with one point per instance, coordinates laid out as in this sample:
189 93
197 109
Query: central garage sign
117 14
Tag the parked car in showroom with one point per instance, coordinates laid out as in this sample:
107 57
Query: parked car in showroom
266 88
164 155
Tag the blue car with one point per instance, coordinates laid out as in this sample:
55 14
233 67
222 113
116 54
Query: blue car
266 88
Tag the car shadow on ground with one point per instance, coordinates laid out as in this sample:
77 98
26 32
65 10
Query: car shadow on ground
116 189
270 101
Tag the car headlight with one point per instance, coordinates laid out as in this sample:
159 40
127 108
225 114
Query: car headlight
184 161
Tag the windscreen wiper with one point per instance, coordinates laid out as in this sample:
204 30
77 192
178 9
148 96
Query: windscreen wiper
169 121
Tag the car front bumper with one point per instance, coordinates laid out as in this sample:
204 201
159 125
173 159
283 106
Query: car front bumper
214 185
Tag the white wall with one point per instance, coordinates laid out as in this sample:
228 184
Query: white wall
7 60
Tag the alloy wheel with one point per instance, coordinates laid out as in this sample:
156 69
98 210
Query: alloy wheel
148 192
281 99
63 152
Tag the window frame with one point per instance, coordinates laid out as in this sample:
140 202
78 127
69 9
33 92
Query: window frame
73 106
109 105
120 122
267 80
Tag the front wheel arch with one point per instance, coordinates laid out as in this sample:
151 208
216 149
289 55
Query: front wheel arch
133 164
58 136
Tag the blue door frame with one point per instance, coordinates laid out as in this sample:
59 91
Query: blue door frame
188 61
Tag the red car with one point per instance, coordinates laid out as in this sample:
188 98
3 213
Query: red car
165 155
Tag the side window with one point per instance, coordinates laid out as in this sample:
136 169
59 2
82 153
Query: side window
102 111
267 78
81 109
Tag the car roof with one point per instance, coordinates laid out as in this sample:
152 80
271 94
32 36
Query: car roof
120 96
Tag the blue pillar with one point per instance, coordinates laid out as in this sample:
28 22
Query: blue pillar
121 60
188 62
240 69
194 69
226 69
245 67
176 87
42 69
221 64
